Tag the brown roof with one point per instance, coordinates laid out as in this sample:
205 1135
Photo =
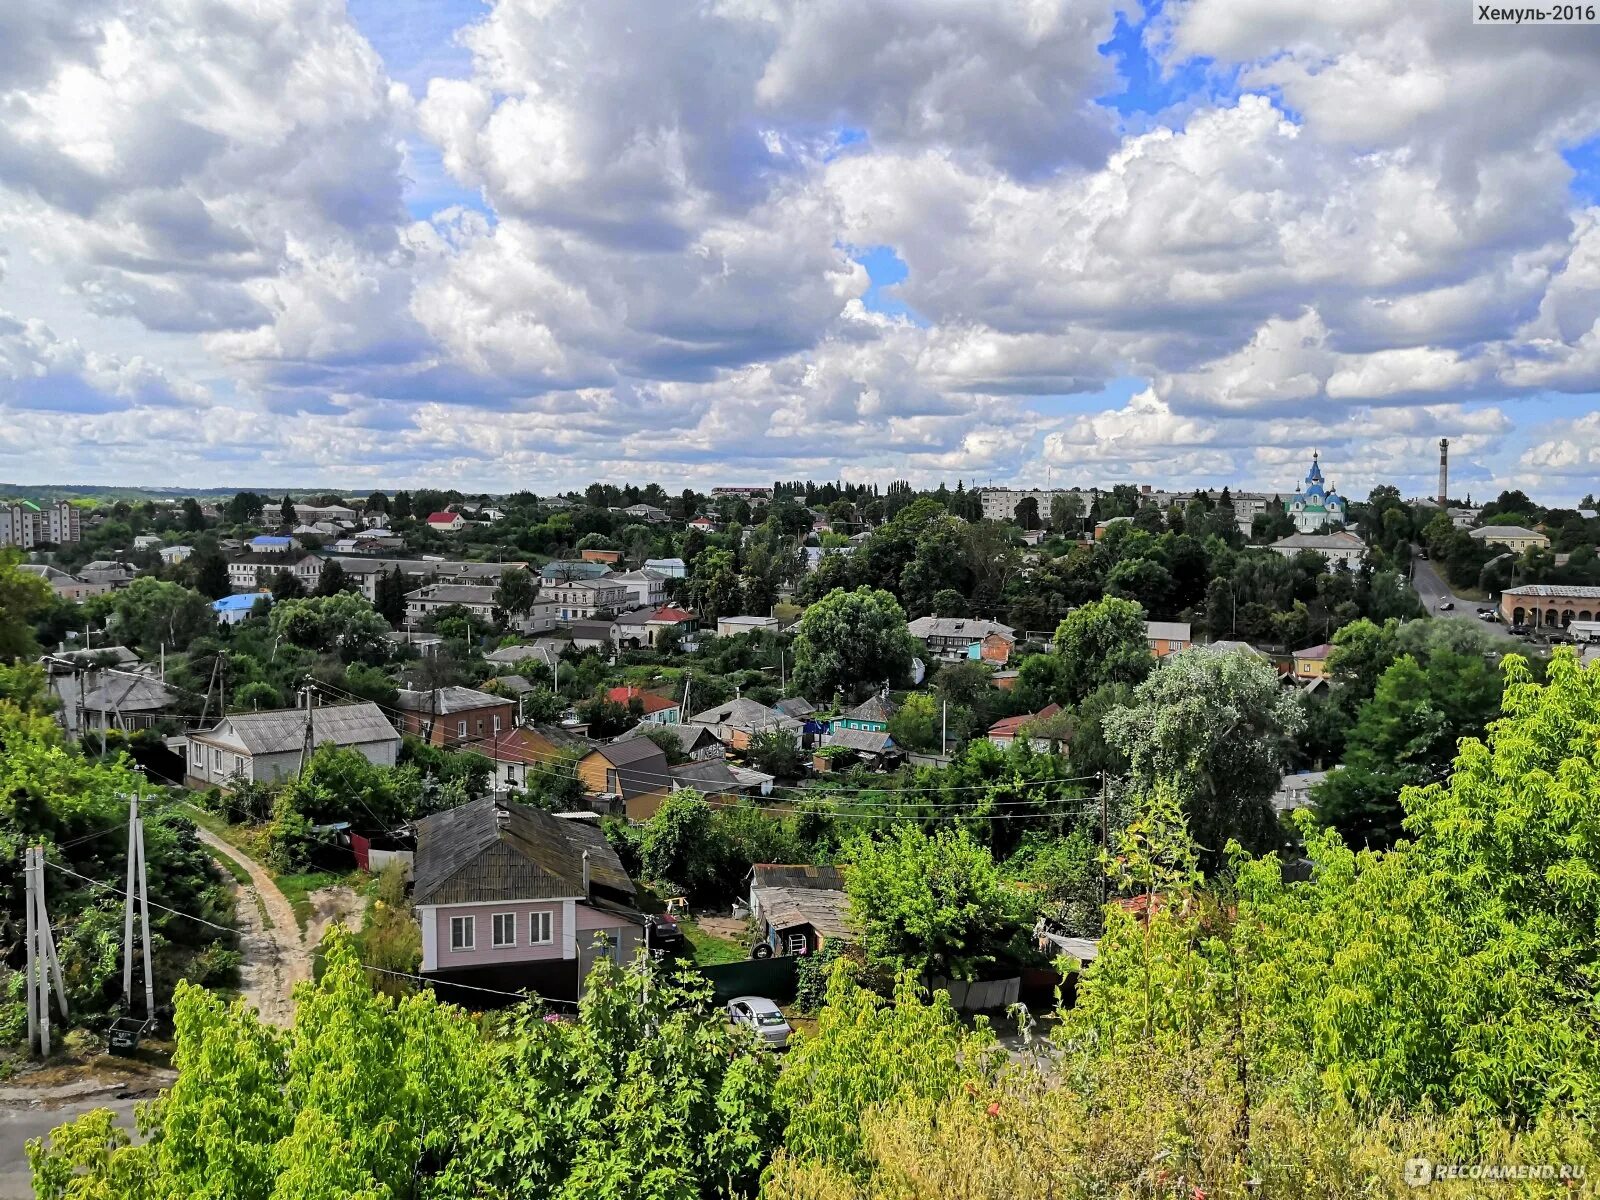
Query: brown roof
488 850
641 765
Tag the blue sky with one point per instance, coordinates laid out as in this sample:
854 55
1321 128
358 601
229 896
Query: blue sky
499 243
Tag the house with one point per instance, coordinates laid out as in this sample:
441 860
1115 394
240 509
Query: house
146 541
310 514
703 524
950 637
593 635
740 719
63 584
653 709
646 588
1340 546
513 898
1513 537
268 543
610 557
871 715
512 655
795 706
230 610
1294 791
516 749
730 626
117 700
559 570
1466 518
629 777
1167 637
1004 733
669 617
717 777
264 747
995 648
581 599
672 568
648 513
476 598
697 742
175 554
798 909
1549 605
107 574
26 525
446 522
453 716
874 746
425 644
417 571
251 571
1101 528
1312 662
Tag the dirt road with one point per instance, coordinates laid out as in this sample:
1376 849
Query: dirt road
275 955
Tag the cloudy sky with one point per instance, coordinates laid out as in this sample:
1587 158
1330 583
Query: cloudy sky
533 243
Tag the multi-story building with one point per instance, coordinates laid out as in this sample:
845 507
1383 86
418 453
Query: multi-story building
417 571
26 525
479 600
580 599
454 716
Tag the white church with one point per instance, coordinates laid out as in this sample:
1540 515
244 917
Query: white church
1313 508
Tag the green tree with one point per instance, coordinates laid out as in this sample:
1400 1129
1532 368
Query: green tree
851 640
714 584
517 592
1027 513
1216 727
777 752
209 570
1066 512
933 904
333 579
286 585
390 592
23 596
151 613
683 844
343 623
915 725
1100 643
286 515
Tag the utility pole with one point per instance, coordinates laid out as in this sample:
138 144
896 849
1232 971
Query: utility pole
137 895
306 740
1105 845
944 723
43 964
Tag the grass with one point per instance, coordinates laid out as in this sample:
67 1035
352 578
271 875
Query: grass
711 950
297 891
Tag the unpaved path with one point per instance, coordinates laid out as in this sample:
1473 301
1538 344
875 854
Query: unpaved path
332 905
275 958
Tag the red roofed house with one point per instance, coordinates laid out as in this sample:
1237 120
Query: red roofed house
704 524
669 616
445 522
653 709
1005 732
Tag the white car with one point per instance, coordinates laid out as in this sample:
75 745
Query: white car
763 1016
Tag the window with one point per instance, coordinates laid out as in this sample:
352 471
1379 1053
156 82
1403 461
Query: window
611 782
505 929
497 722
461 729
539 929
463 933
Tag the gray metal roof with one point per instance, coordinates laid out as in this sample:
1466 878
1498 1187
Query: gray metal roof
864 741
957 627
711 776
489 850
119 693
447 700
284 729
744 713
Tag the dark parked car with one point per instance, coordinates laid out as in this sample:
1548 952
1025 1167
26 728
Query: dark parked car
663 932
1519 630
1448 606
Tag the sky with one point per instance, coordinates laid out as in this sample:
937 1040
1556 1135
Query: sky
527 244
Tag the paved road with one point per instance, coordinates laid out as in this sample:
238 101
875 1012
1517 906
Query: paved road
1433 591
18 1124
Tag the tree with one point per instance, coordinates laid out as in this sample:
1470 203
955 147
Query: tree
245 508
1100 643
517 592
390 596
916 724
683 845
932 904
286 585
1027 513
1215 727
714 584
849 640
286 513
333 579
1066 512
209 570
193 519
777 752
23 596
152 613
343 623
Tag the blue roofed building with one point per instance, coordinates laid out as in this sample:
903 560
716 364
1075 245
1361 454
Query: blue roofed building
1315 506
231 610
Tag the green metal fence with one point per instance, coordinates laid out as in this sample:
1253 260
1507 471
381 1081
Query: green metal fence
773 978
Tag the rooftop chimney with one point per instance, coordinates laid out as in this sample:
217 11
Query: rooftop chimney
586 874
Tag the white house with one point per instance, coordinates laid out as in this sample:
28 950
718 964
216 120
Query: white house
175 554
446 522
672 568
264 747
1341 546
646 588
729 626
580 599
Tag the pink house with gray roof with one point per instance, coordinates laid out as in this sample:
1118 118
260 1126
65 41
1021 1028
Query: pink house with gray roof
518 899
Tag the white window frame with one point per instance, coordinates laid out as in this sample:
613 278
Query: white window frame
540 929
467 925
497 723
461 729
497 924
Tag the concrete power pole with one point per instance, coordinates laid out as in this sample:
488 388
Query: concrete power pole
43 964
1444 472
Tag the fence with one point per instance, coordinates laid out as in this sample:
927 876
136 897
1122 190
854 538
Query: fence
977 997
773 978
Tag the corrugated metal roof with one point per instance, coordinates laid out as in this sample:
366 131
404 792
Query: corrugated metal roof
484 850
284 729
447 700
